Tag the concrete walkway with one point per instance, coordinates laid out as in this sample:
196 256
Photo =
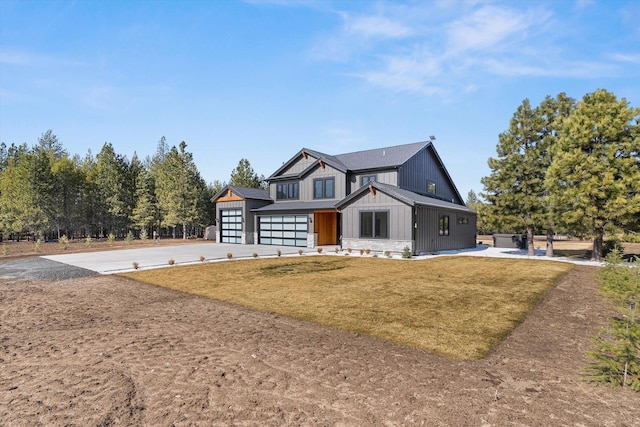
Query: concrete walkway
108 262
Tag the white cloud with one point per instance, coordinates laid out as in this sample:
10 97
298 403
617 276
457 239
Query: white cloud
434 50
29 59
105 99
581 4
632 58
16 58
492 27
343 136
375 26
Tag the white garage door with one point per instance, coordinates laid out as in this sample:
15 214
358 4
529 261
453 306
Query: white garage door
285 230
231 226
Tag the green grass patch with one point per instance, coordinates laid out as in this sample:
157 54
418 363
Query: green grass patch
457 306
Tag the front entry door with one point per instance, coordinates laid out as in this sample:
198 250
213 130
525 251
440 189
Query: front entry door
326 226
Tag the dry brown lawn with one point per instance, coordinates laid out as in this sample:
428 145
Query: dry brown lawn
458 306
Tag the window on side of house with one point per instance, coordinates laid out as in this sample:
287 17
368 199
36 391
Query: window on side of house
374 225
287 191
364 180
431 187
462 220
443 225
324 188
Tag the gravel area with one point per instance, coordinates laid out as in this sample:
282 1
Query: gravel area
41 269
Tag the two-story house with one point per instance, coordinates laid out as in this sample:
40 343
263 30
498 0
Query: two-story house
381 199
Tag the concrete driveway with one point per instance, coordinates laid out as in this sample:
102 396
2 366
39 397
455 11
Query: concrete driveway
122 260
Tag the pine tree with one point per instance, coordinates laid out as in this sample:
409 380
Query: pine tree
475 204
19 208
617 350
594 179
514 188
145 212
243 175
69 180
553 111
109 177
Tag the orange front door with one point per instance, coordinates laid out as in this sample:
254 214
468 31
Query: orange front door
326 227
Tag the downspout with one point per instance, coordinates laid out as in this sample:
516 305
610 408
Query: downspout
415 227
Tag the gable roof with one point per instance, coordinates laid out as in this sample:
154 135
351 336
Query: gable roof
408 197
358 160
381 157
244 192
328 159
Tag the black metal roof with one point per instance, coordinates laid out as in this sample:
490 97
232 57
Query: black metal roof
244 192
377 158
297 206
405 196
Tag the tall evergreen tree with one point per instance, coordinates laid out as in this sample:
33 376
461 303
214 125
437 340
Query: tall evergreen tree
20 210
594 180
46 153
474 203
69 181
553 111
109 177
178 187
134 173
243 175
515 191
145 214
514 188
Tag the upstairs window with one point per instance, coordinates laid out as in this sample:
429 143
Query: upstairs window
324 188
374 225
367 179
431 187
287 191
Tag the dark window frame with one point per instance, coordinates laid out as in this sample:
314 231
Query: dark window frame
431 187
443 226
365 179
288 190
462 220
323 189
375 232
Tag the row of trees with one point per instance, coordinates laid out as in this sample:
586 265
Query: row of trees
566 167
46 192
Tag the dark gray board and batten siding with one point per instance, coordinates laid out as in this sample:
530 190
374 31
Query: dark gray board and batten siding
415 172
427 235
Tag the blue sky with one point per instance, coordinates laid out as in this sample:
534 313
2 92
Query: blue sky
262 79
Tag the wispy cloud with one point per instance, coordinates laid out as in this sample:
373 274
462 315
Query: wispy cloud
491 27
375 26
16 58
344 136
30 59
436 50
631 58
106 99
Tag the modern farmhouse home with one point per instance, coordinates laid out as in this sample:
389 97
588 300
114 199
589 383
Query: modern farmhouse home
382 199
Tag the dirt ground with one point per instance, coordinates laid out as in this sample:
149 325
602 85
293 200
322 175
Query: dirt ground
109 351
11 250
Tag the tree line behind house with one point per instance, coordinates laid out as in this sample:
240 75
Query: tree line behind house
47 193
568 167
